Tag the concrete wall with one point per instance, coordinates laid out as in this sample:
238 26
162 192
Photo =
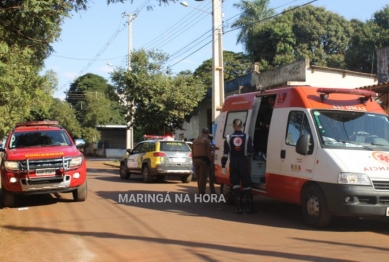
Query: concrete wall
190 130
330 77
110 153
115 153
302 73
293 72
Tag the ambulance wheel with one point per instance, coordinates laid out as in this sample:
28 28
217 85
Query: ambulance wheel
147 177
124 174
80 194
315 209
228 193
8 199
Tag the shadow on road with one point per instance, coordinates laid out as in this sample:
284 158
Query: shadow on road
40 200
190 245
269 212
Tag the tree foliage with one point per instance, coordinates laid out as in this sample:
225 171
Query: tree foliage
306 32
368 37
324 37
27 31
62 112
95 101
235 65
253 12
156 101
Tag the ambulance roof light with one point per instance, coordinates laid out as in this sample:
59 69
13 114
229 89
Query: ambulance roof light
367 94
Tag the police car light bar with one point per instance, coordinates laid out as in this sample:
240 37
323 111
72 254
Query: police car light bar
153 137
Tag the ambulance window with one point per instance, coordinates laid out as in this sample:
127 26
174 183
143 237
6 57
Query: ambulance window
297 125
242 115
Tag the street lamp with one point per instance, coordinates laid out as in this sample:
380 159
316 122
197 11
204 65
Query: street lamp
187 5
217 57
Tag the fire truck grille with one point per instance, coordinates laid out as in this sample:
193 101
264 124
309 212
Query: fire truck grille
381 185
45 163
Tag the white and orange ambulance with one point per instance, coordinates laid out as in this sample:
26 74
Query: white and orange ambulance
327 149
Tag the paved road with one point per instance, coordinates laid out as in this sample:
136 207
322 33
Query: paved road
53 228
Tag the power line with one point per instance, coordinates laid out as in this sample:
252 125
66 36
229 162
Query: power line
225 32
172 33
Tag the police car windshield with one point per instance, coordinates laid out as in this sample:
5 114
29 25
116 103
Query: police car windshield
39 138
352 129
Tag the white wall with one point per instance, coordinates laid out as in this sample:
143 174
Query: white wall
191 130
329 77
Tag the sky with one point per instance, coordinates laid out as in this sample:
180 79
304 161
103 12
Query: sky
97 40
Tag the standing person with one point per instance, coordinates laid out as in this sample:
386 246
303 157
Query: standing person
201 154
239 146
212 178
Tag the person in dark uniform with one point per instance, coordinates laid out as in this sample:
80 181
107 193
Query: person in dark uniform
212 178
239 146
201 154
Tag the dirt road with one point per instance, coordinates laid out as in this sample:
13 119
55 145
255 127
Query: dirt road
54 228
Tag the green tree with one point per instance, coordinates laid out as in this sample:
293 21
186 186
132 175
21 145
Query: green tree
157 101
62 112
95 101
235 65
27 30
90 135
368 37
253 12
305 32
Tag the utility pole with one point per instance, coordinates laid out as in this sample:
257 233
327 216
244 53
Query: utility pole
130 131
217 60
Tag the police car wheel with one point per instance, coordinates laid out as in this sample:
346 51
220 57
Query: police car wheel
124 174
186 179
147 178
160 177
315 209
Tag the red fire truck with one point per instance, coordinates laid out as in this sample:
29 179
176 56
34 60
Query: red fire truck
41 157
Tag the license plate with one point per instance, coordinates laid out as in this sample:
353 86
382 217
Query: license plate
387 211
178 159
45 172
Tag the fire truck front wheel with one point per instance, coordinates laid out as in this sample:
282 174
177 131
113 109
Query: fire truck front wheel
81 192
7 198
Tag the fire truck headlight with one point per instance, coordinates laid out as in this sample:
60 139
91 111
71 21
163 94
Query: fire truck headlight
353 179
76 161
11 165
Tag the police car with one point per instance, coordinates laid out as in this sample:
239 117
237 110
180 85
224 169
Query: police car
158 157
